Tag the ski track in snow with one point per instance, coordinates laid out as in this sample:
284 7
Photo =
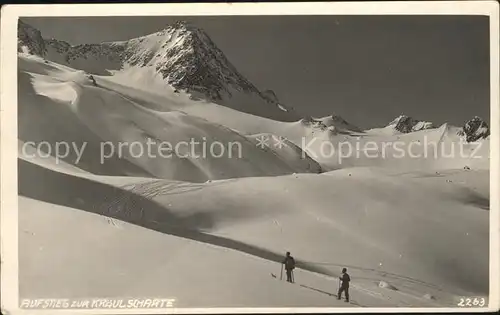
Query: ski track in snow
152 189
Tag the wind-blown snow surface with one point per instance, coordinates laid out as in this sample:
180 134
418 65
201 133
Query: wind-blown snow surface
365 221
210 232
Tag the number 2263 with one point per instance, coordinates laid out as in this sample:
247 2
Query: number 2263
471 302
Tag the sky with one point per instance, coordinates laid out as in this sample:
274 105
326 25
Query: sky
367 69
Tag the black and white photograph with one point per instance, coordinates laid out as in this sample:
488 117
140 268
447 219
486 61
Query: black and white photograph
327 161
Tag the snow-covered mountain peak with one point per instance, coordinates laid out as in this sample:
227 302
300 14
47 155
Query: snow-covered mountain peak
181 29
406 124
187 59
475 129
181 55
339 123
334 123
185 26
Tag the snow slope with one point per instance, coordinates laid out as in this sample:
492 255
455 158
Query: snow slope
103 120
315 217
331 141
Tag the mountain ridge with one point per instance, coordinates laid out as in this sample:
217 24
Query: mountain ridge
183 55
406 124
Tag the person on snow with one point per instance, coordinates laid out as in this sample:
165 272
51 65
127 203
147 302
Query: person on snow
91 78
289 263
344 280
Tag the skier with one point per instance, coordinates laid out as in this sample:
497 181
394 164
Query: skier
289 263
91 78
344 286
